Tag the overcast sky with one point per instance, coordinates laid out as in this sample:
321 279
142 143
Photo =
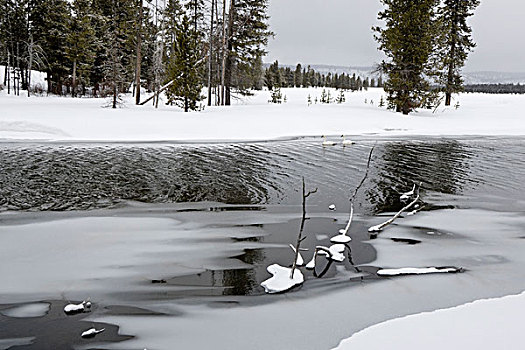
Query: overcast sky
338 32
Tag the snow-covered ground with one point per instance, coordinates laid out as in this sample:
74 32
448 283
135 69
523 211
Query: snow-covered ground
253 118
483 324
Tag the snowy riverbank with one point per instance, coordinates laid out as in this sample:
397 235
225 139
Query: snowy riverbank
483 324
252 118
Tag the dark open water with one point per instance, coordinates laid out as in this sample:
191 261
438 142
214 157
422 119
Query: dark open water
79 177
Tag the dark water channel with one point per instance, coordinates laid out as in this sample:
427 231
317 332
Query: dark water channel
79 177
245 199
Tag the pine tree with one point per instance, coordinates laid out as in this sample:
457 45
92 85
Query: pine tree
455 43
407 41
305 82
298 75
184 67
247 36
50 21
81 42
381 102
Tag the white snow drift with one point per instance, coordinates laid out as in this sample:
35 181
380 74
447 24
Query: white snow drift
483 324
253 118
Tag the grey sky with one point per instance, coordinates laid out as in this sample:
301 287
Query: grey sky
338 32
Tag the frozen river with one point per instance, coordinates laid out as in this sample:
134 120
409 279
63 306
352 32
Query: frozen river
171 241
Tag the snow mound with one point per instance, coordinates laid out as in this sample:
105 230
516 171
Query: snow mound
342 239
281 281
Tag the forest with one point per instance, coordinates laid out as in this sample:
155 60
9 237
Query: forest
100 48
186 47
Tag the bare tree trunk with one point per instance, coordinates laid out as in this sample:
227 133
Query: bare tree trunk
8 73
223 64
228 66
30 64
210 66
451 66
139 58
300 237
114 77
156 94
74 82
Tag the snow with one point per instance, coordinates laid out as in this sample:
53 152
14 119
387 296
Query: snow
92 332
416 271
281 281
300 260
28 310
343 239
483 324
252 118
77 308
37 78
406 196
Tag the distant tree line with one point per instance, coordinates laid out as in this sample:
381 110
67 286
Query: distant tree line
496 88
104 47
426 44
285 77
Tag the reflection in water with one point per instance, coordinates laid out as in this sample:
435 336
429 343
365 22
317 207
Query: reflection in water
243 281
441 166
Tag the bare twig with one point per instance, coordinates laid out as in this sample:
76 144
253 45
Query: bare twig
380 227
352 198
364 177
300 237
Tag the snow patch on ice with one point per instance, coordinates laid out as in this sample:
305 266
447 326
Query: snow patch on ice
281 281
343 239
27 311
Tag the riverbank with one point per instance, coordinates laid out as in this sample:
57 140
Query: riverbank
483 324
253 118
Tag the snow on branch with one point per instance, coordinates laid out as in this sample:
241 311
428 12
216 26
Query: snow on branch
380 227
284 278
343 234
417 271
300 237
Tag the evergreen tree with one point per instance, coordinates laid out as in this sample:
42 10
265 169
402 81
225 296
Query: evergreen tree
407 41
306 82
50 21
81 42
184 67
455 43
247 37
298 75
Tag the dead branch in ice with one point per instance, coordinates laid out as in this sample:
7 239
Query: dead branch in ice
406 196
418 271
343 234
364 177
380 227
300 237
